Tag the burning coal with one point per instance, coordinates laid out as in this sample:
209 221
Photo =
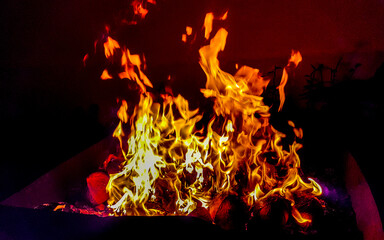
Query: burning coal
169 167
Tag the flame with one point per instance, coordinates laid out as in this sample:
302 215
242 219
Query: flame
132 65
138 8
170 167
105 75
184 37
224 17
188 30
166 151
85 59
208 24
294 60
208 21
110 47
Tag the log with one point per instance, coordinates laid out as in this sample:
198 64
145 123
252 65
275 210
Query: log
97 183
270 217
201 213
113 164
232 214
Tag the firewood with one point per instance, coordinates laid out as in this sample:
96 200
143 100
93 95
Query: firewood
215 204
113 164
276 211
232 214
97 183
201 213
313 208
270 217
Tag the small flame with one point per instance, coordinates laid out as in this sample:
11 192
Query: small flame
105 75
85 59
110 47
132 65
138 9
208 24
294 60
184 37
208 21
224 17
188 30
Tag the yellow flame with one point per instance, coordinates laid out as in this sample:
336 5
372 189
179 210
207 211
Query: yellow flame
162 154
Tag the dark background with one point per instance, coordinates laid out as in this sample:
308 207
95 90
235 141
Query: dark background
52 107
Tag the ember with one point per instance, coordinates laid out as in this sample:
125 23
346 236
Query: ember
229 172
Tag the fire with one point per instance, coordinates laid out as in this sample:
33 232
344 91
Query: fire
138 9
188 32
169 167
105 75
208 24
128 64
110 46
162 154
208 21
294 60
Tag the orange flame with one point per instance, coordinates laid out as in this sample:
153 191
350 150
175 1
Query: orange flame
224 17
138 9
208 21
105 75
184 37
132 64
294 60
110 47
208 24
188 30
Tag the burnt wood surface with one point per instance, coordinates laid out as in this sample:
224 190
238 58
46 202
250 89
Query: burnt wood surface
22 223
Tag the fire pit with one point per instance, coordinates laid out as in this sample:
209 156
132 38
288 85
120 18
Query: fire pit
24 215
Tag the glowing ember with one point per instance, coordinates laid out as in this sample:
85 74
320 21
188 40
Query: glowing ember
168 167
